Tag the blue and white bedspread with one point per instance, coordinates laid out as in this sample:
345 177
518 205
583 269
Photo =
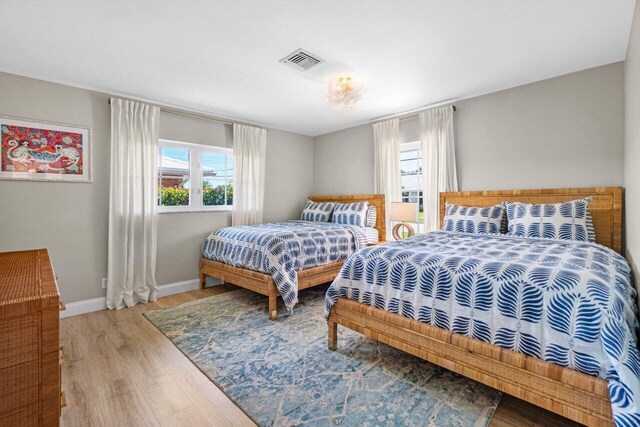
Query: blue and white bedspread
282 248
569 303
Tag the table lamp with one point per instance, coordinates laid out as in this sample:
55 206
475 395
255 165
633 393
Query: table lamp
403 212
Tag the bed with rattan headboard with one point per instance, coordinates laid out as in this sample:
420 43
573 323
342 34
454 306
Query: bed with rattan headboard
605 208
376 200
263 283
572 394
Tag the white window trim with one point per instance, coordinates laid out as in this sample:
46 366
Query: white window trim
408 146
195 170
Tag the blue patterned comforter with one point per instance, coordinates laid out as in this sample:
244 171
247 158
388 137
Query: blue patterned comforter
569 303
282 248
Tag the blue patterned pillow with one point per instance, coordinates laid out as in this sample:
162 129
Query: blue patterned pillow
564 221
372 216
591 230
505 222
470 219
319 212
350 213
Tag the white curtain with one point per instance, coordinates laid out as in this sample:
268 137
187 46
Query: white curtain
438 161
386 158
133 204
249 156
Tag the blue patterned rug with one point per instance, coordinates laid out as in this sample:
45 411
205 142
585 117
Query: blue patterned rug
281 373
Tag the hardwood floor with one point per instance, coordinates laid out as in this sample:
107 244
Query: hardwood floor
120 370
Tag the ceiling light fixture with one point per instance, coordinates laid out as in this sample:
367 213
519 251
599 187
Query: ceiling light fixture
345 90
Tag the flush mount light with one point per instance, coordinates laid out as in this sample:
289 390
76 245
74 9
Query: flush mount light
345 90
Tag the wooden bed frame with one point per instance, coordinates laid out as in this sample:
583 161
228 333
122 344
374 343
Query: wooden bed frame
572 394
263 283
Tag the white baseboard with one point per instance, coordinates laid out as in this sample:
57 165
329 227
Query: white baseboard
86 306
178 287
97 304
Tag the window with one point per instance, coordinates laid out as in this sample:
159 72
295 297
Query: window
411 176
193 177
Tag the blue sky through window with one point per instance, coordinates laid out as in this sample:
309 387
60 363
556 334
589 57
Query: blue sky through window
175 154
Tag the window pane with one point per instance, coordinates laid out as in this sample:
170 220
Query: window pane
409 161
229 180
411 176
217 178
174 176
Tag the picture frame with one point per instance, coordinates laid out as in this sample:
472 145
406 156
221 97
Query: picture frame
37 150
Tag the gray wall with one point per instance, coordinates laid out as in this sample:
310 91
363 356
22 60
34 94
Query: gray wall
566 131
71 220
343 162
289 175
632 144
562 132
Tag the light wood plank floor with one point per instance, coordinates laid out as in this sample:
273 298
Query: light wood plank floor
120 370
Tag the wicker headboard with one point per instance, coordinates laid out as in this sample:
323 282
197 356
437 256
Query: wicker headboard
376 200
606 207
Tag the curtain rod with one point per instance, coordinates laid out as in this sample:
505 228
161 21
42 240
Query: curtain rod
413 116
195 116
414 110
198 116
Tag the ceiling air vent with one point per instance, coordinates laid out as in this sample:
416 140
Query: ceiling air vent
301 60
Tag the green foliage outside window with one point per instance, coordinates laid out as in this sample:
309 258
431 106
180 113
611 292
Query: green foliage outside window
214 196
173 196
211 196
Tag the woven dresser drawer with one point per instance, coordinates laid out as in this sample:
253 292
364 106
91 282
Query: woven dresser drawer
25 417
29 340
19 340
19 388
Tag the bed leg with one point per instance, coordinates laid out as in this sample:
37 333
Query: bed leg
333 335
273 311
203 280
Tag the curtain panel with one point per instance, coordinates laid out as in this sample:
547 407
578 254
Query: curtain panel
249 158
386 155
438 161
133 204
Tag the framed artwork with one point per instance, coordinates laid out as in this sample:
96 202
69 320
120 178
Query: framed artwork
41 151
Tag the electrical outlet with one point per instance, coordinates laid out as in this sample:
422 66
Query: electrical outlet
104 283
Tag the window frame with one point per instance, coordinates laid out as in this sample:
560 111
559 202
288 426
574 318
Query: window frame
411 146
196 152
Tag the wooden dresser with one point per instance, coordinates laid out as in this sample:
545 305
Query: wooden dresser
29 340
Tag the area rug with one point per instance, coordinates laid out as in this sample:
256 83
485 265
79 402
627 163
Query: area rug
281 372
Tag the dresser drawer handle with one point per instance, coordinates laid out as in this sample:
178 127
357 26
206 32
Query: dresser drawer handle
63 355
62 306
63 399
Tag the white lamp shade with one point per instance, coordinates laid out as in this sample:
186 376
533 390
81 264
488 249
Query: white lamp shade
404 212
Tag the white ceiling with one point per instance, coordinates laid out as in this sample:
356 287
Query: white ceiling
221 57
